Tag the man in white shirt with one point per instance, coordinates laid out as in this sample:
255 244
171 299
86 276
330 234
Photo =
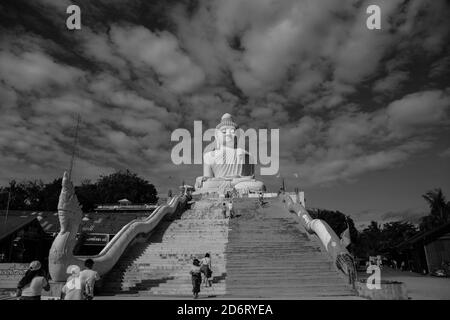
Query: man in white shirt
88 278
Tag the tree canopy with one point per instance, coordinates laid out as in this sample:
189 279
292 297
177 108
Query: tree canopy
337 220
439 210
39 196
376 239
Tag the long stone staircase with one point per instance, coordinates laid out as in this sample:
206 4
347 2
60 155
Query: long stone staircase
262 253
269 255
161 265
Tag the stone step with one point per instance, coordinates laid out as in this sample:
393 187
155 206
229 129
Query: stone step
277 280
289 294
139 287
182 261
286 264
159 271
172 279
165 286
180 293
183 275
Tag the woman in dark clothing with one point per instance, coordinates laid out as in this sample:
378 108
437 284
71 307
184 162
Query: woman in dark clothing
32 283
196 278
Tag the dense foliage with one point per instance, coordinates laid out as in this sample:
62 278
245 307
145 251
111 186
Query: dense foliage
439 210
39 196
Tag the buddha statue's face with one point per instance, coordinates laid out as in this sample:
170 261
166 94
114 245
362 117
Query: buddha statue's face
225 136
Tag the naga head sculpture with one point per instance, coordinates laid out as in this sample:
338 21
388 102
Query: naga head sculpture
69 214
69 210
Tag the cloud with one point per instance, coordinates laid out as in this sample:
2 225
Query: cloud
159 52
445 153
99 47
355 142
337 164
363 218
391 83
413 215
34 70
440 67
418 110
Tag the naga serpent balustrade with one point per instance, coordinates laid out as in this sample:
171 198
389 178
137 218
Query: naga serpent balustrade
330 241
70 214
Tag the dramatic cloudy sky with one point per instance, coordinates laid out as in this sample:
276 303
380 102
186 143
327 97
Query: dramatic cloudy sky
363 114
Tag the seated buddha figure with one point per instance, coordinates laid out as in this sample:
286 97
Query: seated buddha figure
227 167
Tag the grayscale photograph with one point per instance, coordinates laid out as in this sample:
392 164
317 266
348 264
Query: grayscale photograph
233 152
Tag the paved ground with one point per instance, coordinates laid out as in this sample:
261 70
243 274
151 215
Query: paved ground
419 287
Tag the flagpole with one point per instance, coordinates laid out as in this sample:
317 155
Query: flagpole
75 140
7 206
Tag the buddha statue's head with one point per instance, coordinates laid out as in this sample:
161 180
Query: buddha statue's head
226 132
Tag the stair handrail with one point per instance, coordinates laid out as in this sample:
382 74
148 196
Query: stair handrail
69 214
331 242
118 235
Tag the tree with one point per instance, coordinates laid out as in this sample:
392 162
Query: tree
439 210
23 196
88 195
374 240
17 196
338 221
50 195
125 184
369 240
394 233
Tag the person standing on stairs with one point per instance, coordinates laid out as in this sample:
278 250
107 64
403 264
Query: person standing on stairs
196 278
205 268
224 210
230 209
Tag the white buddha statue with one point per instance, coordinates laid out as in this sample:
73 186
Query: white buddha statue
227 167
